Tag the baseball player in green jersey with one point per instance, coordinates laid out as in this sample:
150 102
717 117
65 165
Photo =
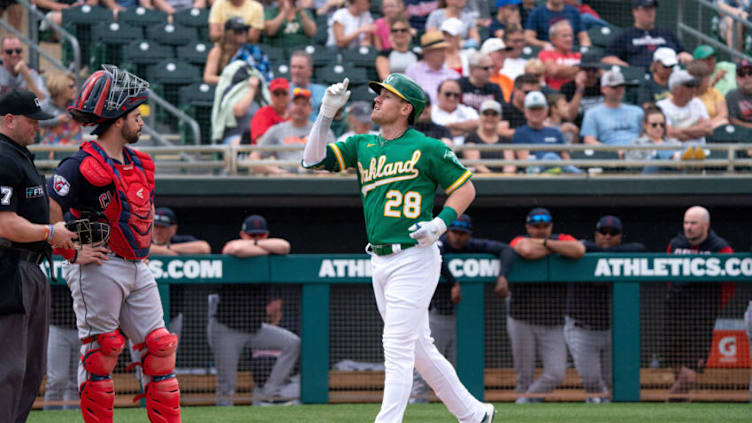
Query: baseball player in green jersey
398 173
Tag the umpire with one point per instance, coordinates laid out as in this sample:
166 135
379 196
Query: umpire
25 240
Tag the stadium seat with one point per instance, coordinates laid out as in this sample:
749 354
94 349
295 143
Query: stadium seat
322 30
109 39
196 100
633 75
363 57
336 72
195 53
596 155
281 70
731 134
140 54
168 76
276 55
601 36
78 21
362 93
322 56
143 17
172 35
530 52
194 18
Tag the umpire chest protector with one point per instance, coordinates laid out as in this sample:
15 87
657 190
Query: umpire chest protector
129 212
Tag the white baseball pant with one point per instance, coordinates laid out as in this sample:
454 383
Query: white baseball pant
591 350
403 284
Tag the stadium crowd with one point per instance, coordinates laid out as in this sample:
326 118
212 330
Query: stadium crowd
597 88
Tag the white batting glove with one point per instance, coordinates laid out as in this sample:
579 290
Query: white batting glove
426 233
335 98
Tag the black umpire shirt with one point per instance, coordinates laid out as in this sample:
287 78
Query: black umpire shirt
22 188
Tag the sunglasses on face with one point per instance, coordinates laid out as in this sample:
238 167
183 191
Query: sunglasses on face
539 218
13 50
657 124
486 68
609 231
280 93
449 94
490 113
400 30
740 74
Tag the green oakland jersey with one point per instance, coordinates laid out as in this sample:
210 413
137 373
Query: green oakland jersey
397 179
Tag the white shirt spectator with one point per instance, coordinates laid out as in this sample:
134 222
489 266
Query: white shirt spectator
461 114
350 24
683 117
513 67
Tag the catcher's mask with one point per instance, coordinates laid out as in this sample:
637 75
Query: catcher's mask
91 233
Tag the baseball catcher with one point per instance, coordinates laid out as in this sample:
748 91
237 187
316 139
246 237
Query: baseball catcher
109 188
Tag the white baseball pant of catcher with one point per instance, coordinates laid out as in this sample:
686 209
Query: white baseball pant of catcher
403 284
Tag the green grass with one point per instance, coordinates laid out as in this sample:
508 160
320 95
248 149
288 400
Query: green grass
437 413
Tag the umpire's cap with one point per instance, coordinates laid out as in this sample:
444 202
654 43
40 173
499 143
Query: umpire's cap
406 89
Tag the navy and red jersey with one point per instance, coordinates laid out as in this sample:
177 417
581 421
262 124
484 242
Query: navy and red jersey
71 190
712 244
539 303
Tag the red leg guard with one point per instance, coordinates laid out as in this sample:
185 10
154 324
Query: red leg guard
163 400
100 361
97 400
159 358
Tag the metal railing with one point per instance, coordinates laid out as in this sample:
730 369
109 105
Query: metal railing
234 160
682 28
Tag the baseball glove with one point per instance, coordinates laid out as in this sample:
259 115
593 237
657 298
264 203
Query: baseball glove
95 233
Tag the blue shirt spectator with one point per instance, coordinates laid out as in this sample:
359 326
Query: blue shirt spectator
613 122
546 135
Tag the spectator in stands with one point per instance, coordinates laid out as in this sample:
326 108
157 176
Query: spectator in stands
560 64
479 10
15 73
558 112
234 46
714 101
301 70
291 132
507 14
53 10
589 16
236 100
358 120
494 48
166 241
275 112
535 319
730 30
237 320
487 134
613 122
250 11
535 132
514 111
686 116
654 133
514 41
724 73
393 10
429 128
655 88
418 11
461 120
584 91
456 58
288 25
61 129
545 16
14 15
687 345
587 327
635 46
432 70
448 9
441 318
399 57
477 87
535 67
740 100
352 26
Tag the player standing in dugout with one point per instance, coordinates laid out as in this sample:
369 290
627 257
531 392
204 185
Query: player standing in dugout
25 239
398 173
112 287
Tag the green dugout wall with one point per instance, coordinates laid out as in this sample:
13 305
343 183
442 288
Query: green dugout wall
317 273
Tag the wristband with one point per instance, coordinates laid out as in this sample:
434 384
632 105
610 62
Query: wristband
47 233
50 232
448 215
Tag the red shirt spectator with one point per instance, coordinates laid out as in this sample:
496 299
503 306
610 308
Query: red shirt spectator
276 112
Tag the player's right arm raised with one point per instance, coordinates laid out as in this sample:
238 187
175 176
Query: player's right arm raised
335 98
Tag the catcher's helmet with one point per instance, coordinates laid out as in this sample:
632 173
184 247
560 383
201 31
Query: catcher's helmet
406 89
108 94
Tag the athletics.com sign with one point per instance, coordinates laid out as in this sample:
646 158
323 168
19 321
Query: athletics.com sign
691 266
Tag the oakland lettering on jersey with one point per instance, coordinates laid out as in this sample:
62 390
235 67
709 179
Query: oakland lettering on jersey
393 171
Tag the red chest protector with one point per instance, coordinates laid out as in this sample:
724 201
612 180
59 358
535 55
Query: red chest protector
129 212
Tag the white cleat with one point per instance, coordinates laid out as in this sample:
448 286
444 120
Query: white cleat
490 413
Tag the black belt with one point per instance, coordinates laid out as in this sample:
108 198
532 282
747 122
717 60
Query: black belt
387 249
30 256
126 259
